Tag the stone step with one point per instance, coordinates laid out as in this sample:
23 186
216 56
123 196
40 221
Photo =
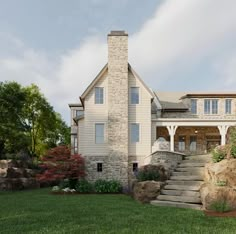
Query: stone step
187 169
188 173
182 187
194 161
191 164
186 199
180 193
176 204
199 157
183 178
188 182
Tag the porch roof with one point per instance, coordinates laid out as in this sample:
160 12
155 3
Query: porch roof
193 122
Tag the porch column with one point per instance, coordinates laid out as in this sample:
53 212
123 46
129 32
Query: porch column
223 131
172 130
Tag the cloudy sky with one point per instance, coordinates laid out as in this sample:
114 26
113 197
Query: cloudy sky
174 45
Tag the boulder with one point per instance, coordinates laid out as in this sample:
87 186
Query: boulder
18 183
3 172
211 193
224 170
146 191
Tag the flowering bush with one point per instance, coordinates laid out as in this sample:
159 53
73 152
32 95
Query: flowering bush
58 164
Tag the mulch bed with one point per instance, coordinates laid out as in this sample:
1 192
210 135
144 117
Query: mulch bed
78 193
220 214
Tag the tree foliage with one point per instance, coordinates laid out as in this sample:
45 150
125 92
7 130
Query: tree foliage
58 164
28 122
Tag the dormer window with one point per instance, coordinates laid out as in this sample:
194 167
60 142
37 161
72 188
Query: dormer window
194 106
210 106
99 95
134 95
228 106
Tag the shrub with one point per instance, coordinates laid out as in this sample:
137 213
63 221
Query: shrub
219 153
104 186
55 189
83 186
149 172
58 164
220 206
233 151
221 183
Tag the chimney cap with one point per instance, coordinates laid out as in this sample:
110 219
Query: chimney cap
118 33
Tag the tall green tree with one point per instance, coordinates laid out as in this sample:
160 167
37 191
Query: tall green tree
28 121
12 128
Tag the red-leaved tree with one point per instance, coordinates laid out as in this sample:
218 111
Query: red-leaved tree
59 164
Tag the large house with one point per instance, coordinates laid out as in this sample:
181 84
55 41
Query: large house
119 120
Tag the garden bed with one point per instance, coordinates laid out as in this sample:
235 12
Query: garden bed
213 213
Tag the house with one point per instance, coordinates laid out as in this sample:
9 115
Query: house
119 120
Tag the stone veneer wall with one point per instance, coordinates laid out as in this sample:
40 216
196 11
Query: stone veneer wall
118 96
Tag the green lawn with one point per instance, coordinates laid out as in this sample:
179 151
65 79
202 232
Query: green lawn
37 211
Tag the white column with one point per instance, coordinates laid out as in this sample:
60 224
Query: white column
172 130
223 131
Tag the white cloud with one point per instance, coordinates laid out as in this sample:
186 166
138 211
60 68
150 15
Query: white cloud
180 35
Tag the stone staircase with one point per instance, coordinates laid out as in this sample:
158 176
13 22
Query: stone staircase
182 190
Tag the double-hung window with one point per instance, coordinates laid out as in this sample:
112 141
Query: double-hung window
99 133
207 106
134 95
228 106
211 106
194 106
99 95
135 133
214 105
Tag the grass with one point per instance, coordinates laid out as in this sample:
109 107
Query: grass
37 211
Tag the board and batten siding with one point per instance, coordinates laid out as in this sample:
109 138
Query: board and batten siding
141 114
94 113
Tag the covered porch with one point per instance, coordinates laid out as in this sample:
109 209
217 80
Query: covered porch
191 136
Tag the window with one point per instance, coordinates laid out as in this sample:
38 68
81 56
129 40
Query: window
79 112
135 167
193 106
75 145
207 106
134 95
181 143
228 106
99 167
99 93
210 106
193 143
134 132
99 133
214 105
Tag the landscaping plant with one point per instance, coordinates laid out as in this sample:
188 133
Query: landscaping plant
58 165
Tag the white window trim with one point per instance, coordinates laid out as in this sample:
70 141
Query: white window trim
105 136
231 106
211 103
140 134
196 106
104 97
140 97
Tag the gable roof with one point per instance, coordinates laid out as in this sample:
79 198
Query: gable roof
100 74
104 69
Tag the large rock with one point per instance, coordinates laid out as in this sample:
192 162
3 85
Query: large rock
18 183
146 191
211 193
224 170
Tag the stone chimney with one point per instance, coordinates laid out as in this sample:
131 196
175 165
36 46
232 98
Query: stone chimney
118 96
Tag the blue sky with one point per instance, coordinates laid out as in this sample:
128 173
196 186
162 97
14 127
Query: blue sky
173 45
